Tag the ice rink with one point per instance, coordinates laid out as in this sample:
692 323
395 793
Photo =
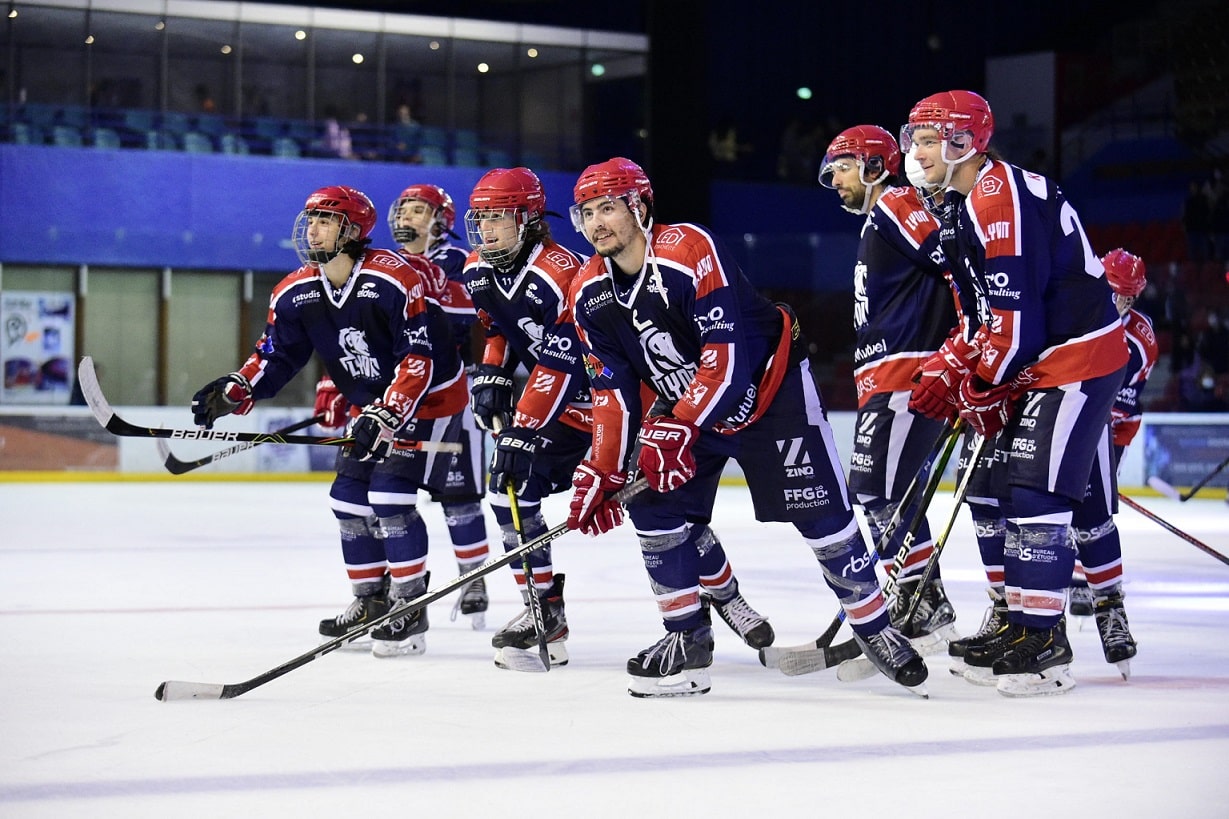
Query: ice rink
107 589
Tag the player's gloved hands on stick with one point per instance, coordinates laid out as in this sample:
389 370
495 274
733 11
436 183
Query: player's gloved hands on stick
665 459
512 462
221 396
986 407
373 433
594 510
1123 427
938 379
491 397
331 404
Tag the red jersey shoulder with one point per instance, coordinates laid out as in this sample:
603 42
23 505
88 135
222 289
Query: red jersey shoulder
1139 326
993 202
906 208
557 262
682 243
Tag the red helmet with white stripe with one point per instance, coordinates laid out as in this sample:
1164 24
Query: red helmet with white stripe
962 119
871 146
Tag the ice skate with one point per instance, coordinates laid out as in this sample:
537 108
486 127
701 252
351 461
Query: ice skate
674 666
993 624
891 654
1116 641
405 635
472 602
1037 663
746 622
1079 600
516 644
363 609
931 628
979 658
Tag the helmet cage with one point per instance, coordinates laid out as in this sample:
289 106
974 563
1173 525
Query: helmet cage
500 257
442 210
347 232
630 198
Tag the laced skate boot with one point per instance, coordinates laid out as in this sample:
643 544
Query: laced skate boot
405 635
1116 640
473 602
979 659
516 644
1037 663
746 622
895 658
1079 600
993 624
674 666
363 609
931 628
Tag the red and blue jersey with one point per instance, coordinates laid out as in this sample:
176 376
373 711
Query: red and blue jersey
1141 341
903 307
378 336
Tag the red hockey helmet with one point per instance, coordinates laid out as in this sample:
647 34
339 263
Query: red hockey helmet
1125 272
617 178
953 114
348 202
443 209
871 146
509 188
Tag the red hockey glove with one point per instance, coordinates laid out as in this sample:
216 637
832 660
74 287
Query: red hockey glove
1123 427
331 404
373 433
593 510
938 379
221 396
665 458
986 407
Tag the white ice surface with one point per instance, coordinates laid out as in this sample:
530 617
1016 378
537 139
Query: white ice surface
106 589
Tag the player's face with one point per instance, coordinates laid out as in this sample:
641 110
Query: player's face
847 182
496 230
417 215
928 151
609 225
323 231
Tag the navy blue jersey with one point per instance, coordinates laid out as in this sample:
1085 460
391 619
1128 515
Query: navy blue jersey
689 325
903 307
378 337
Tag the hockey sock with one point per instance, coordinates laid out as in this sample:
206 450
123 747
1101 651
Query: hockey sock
467 530
850 573
533 525
716 577
672 561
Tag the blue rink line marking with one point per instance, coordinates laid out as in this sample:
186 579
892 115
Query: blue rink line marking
515 771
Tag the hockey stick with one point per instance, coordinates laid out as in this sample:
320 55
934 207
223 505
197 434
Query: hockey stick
1198 544
178 690
1169 491
520 659
861 668
177 467
87 378
814 656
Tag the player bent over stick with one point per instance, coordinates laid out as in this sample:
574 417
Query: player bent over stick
389 350
662 306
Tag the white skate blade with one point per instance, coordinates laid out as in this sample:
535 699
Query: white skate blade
1124 668
524 659
412 646
958 667
1056 680
362 643
477 620
176 690
859 668
688 683
979 675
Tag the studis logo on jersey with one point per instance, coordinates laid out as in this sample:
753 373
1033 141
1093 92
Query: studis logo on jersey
356 355
861 305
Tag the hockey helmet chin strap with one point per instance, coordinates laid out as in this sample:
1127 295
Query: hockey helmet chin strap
646 227
867 186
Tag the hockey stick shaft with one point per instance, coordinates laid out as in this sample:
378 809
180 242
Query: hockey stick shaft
177 467
1164 524
177 690
87 378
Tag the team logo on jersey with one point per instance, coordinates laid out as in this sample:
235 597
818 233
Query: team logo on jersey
861 304
533 332
670 236
560 259
356 355
671 372
990 185
265 345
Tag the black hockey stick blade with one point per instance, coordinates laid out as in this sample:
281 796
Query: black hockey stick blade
177 467
87 379
181 690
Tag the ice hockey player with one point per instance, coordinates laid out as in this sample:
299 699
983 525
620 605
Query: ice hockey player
389 350
903 312
662 305
1036 373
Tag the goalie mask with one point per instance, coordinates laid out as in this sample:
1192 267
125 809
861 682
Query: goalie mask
502 205
334 220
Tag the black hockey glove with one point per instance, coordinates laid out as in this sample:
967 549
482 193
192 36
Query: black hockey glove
513 459
221 396
373 433
491 396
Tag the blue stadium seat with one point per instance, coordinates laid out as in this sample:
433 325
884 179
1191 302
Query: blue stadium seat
176 122
197 143
432 155
466 138
160 141
286 148
66 136
466 157
106 138
233 144
23 133
497 158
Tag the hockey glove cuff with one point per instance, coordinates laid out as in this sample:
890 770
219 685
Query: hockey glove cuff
512 462
222 396
986 407
491 397
373 433
593 510
665 459
331 405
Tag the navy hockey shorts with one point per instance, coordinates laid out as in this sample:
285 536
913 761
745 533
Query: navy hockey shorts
788 458
443 473
890 446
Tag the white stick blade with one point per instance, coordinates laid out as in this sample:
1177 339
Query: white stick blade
1164 488
176 690
519 659
87 380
